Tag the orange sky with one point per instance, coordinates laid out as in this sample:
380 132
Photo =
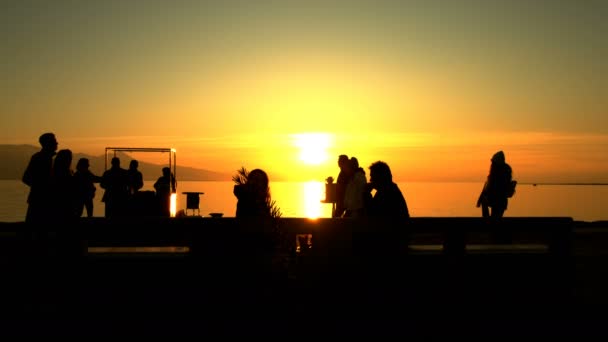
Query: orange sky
432 88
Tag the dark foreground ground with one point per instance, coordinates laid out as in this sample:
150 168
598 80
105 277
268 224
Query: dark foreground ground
248 293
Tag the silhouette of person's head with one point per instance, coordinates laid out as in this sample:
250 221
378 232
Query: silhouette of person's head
63 160
351 166
354 163
258 179
133 164
166 172
380 174
115 162
48 142
82 164
498 157
343 161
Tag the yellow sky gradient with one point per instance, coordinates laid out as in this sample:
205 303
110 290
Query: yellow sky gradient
433 89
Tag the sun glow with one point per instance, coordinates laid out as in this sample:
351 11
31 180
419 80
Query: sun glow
312 199
313 147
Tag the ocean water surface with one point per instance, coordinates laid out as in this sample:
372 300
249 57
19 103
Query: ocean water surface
424 199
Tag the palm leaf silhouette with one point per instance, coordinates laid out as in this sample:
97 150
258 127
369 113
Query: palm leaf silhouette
241 176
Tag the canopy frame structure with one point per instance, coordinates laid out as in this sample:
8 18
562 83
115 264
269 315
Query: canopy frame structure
172 154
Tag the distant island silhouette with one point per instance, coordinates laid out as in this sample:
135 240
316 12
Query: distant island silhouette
16 157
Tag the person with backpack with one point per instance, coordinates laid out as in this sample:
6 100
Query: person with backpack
498 188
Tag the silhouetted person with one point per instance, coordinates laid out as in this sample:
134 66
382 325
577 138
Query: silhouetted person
253 197
341 182
136 182
84 181
262 254
165 186
68 246
64 188
496 189
354 196
116 184
136 179
388 201
37 176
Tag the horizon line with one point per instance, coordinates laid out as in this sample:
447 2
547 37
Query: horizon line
561 183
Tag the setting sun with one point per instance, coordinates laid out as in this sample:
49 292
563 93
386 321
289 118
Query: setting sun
313 147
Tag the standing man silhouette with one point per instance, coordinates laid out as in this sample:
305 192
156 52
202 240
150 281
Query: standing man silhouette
136 178
355 196
165 185
341 183
84 181
115 181
38 176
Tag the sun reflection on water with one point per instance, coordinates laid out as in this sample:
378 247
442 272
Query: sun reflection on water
313 193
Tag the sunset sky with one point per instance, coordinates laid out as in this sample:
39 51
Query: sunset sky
433 88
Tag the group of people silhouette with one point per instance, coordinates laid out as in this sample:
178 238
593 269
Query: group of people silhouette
354 194
355 197
58 193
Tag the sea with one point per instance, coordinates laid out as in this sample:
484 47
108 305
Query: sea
305 199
